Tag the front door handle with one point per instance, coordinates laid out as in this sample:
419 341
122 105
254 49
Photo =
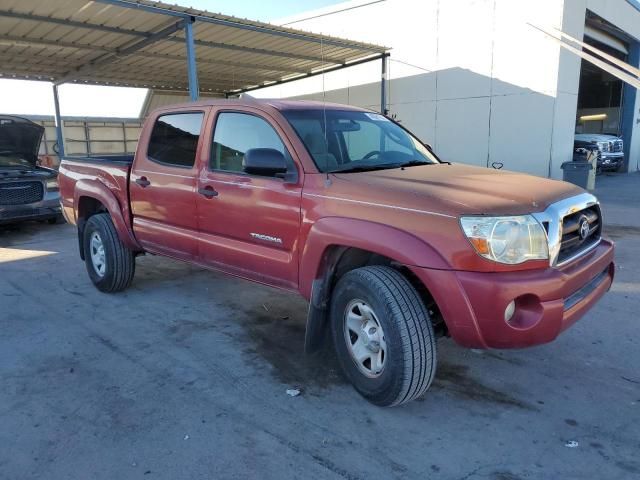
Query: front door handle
208 192
143 182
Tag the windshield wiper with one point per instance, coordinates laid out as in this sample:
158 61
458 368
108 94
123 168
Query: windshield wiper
414 163
364 168
380 166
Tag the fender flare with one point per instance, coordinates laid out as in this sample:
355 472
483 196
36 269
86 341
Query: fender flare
100 192
400 246
329 238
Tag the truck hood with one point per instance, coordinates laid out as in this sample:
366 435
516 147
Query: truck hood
460 189
19 142
595 137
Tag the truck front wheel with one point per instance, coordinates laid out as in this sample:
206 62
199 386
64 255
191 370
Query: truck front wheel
383 335
110 264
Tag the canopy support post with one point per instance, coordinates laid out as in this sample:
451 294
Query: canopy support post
383 86
59 126
191 60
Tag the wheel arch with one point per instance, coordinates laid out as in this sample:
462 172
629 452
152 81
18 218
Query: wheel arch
335 246
91 197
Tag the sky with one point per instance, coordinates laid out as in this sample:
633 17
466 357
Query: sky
36 98
263 10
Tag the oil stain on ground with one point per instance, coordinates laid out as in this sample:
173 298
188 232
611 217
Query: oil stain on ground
277 336
270 334
454 379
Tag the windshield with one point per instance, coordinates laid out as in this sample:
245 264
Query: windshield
348 140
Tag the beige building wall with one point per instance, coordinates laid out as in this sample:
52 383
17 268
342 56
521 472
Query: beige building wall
471 77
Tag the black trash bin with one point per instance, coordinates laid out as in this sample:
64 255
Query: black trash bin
576 173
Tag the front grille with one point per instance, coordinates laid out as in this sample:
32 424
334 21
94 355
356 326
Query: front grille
20 193
616 146
576 238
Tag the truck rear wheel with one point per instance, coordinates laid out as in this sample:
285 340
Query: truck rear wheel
110 264
383 335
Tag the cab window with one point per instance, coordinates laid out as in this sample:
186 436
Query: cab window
174 139
235 133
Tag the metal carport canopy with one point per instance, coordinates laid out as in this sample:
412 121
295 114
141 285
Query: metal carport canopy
140 43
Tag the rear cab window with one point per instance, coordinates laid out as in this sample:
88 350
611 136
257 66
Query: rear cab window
174 139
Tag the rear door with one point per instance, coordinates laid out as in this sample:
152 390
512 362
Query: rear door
163 185
249 226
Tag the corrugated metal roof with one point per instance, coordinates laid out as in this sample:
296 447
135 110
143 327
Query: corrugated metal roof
141 43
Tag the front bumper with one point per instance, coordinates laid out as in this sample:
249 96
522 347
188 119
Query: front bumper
611 160
48 207
547 301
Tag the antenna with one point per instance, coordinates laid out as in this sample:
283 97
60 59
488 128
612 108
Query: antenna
324 111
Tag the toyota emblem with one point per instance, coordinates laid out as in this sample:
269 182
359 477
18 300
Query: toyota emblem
584 228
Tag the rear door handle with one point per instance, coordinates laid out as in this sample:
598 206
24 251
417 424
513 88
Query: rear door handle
143 182
208 192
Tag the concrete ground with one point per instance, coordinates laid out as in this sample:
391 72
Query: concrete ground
184 376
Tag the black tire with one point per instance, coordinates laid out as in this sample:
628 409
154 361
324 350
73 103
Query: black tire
119 262
56 220
410 363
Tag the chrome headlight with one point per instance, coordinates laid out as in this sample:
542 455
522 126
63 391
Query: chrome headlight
52 184
508 240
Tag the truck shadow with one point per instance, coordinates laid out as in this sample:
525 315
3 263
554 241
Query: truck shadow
276 332
277 337
15 234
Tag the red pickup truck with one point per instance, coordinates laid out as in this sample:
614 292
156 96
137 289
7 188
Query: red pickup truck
391 246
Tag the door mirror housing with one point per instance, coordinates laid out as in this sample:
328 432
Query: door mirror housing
267 162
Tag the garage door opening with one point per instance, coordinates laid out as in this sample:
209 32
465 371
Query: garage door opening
600 95
600 116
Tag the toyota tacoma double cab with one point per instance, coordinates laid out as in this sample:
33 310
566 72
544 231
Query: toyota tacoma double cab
391 247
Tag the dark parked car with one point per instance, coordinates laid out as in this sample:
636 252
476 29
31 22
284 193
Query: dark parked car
27 190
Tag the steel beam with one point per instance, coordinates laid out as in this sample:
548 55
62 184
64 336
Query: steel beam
152 72
123 31
121 51
59 126
266 29
248 66
272 53
27 42
383 86
146 8
173 83
71 23
14 40
630 116
307 75
287 34
192 69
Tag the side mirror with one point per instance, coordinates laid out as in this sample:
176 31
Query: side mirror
267 162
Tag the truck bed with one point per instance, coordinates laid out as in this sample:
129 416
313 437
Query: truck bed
108 174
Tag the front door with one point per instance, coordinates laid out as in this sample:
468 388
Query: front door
248 224
163 186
